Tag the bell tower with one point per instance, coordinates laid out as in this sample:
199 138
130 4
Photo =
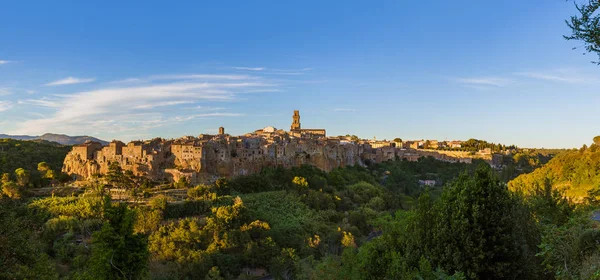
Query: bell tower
295 121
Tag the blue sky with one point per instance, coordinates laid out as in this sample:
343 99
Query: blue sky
493 70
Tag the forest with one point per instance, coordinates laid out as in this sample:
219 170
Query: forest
372 222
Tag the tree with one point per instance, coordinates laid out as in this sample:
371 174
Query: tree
43 168
12 190
181 183
22 254
116 177
214 274
23 177
597 140
5 178
118 253
479 228
586 26
285 265
300 182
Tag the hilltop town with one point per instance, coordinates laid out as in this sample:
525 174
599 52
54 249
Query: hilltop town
207 157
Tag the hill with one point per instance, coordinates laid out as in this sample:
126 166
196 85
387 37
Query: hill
58 138
27 154
573 171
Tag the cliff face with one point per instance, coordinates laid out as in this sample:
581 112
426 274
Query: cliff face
79 168
201 159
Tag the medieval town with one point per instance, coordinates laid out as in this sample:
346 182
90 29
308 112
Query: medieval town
208 157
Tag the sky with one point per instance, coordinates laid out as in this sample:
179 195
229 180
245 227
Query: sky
447 70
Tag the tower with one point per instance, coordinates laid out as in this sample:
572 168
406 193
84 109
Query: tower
221 130
295 121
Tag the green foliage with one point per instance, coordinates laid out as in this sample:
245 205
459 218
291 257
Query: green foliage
22 255
80 207
477 224
16 154
477 228
117 252
12 190
214 274
572 250
285 265
181 183
474 145
226 239
22 176
585 27
291 221
117 178
300 182
159 202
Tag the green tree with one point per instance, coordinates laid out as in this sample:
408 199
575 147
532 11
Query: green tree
44 168
285 266
585 26
118 253
5 178
181 183
116 177
22 254
214 274
597 140
479 230
23 177
12 190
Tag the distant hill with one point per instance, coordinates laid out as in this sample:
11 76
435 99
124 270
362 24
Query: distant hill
574 171
58 138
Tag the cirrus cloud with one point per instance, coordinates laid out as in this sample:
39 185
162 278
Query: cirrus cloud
70 81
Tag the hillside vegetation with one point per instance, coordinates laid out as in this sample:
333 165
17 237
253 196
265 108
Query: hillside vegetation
576 172
34 160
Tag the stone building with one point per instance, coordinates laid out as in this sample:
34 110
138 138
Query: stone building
297 131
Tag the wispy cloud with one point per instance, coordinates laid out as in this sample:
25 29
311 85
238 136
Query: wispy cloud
483 81
560 76
5 62
130 81
204 108
200 77
122 109
42 102
249 68
344 110
5 105
71 81
291 72
163 104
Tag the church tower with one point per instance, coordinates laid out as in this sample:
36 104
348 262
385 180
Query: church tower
295 121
